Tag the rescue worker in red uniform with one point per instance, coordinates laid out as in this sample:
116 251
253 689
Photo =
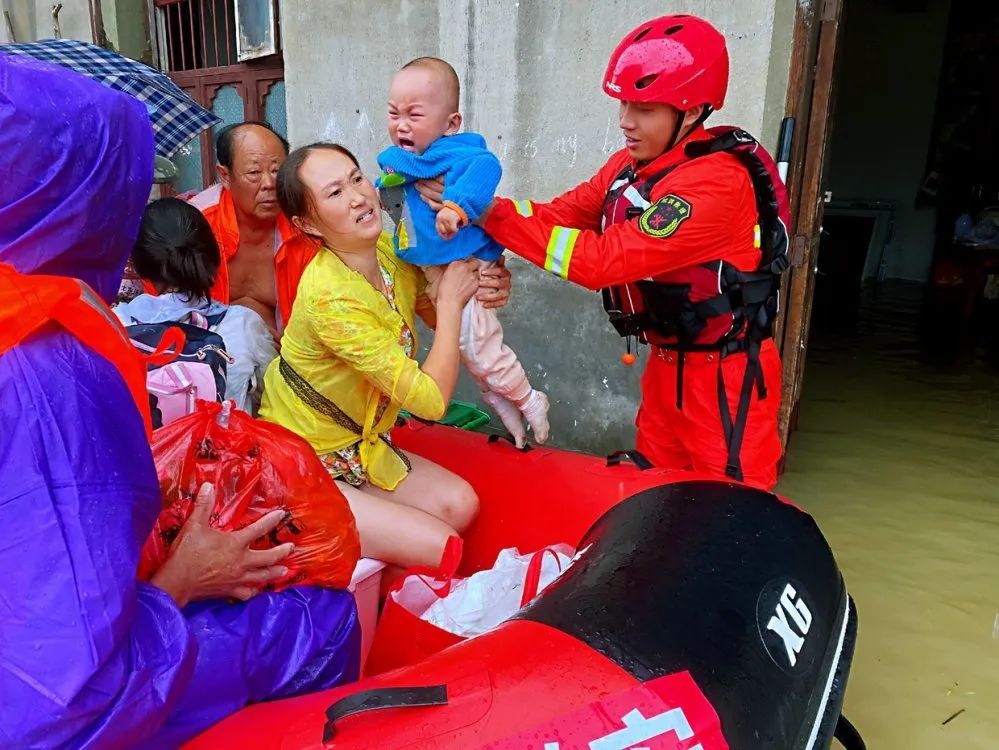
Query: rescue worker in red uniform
685 231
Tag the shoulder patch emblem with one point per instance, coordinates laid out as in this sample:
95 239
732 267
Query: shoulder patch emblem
665 216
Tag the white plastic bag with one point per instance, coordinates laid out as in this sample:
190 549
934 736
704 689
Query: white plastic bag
479 603
248 341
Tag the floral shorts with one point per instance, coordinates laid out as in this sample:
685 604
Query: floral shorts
345 464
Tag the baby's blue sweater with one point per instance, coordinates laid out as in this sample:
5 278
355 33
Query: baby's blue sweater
471 174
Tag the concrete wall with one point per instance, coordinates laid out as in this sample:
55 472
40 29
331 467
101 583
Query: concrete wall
531 76
886 100
32 20
126 23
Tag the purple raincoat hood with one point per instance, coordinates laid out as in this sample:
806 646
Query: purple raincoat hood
75 175
90 658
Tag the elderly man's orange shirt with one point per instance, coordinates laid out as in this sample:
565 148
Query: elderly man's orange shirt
292 249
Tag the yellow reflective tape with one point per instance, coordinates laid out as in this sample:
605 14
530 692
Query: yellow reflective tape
559 252
524 208
757 237
550 250
570 246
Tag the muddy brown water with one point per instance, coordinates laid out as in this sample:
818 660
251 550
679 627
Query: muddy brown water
897 458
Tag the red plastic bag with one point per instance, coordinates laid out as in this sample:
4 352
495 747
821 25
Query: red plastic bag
256 467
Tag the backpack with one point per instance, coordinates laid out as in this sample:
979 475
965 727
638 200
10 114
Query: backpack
181 373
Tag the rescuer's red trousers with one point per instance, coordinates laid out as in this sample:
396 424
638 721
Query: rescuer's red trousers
693 438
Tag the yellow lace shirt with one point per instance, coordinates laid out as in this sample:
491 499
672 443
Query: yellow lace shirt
346 339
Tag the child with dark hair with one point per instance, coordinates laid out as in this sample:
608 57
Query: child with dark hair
176 252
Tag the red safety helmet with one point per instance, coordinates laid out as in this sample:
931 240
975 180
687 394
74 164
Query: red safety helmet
676 60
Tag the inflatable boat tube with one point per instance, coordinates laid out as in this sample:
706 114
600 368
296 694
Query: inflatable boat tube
699 615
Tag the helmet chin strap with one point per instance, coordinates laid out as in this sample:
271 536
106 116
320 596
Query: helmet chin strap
676 137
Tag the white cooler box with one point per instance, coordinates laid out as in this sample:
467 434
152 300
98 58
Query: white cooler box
366 585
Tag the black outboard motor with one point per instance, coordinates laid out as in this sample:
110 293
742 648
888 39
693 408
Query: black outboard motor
725 582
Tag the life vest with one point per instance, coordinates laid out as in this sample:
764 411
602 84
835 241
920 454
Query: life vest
293 251
28 302
712 306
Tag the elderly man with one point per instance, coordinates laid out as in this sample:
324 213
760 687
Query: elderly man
263 256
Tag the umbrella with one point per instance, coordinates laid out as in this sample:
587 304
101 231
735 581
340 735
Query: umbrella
175 116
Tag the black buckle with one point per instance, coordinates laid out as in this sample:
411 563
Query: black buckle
625 324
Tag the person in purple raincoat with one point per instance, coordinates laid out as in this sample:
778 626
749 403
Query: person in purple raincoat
89 656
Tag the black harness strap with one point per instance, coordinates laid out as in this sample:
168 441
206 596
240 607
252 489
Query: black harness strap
681 360
773 234
735 430
379 698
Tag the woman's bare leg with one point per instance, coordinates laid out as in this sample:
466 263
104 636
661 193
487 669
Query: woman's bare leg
396 533
436 491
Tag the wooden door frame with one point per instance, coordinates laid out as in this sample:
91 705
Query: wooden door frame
809 100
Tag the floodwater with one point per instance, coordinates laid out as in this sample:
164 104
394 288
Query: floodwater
897 458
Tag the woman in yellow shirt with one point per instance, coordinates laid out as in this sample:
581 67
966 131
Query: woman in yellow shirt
347 360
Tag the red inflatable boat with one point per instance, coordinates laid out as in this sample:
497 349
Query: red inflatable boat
700 615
